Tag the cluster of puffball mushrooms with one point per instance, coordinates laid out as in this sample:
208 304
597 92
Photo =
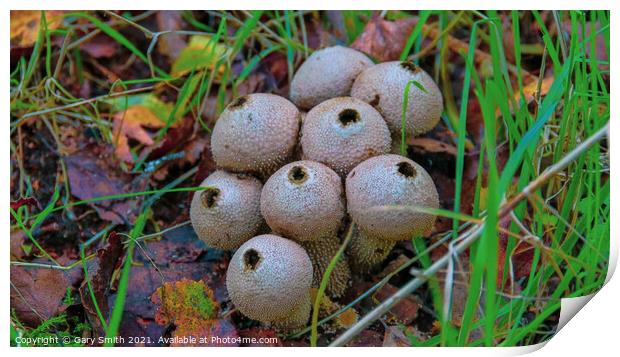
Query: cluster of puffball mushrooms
304 177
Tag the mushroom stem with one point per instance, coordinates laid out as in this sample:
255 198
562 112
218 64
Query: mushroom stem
321 253
297 318
396 140
366 253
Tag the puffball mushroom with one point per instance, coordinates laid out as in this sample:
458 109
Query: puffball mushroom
303 201
269 280
256 133
321 253
326 74
383 86
382 193
227 213
342 132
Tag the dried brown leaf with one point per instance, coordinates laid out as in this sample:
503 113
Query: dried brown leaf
384 40
100 274
37 294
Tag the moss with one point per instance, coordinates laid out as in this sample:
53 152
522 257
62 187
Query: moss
185 302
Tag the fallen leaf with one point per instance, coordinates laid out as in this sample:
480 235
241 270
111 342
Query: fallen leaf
201 52
37 294
191 307
185 302
367 338
432 146
131 124
100 46
384 40
167 261
25 25
176 137
148 100
530 90
28 201
100 274
90 178
405 311
18 238
179 246
170 44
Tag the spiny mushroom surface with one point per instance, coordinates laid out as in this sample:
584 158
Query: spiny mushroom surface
256 133
367 253
321 253
342 132
383 86
303 201
391 180
227 213
327 73
269 279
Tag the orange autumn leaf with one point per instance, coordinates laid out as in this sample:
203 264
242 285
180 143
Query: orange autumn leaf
25 25
132 123
530 90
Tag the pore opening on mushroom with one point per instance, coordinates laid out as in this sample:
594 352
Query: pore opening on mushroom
297 174
209 197
239 102
405 169
348 116
251 259
410 66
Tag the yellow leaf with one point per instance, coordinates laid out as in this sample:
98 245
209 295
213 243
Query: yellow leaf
201 52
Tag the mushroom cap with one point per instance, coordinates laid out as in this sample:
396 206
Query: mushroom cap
389 180
342 132
256 133
383 86
227 214
303 201
269 277
327 73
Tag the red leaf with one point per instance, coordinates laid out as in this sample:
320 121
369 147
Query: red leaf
29 201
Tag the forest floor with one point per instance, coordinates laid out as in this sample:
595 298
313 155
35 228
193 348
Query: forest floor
111 114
